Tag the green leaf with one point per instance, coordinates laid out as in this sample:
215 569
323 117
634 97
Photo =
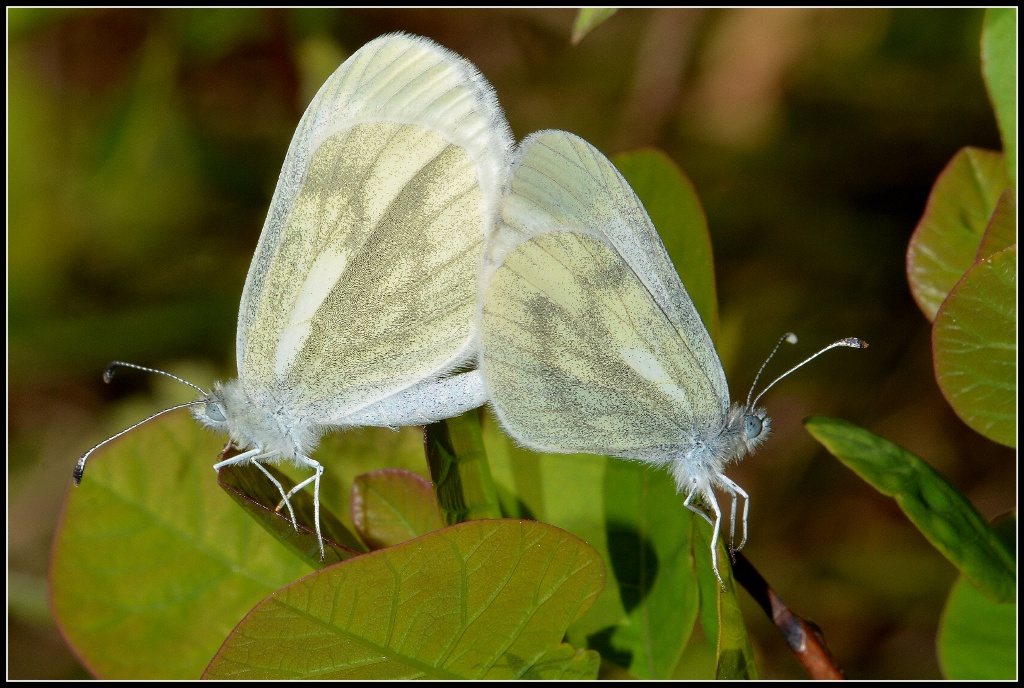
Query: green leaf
459 469
152 564
978 637
632 515
734 653
1001 231
999 66
391 506
484 599
720 609
649 546
943 515
672 202
259 497
588 19
357 451
975 347
950 232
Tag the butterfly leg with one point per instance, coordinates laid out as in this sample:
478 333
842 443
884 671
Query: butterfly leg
694 509
732 524
709 498
737 491
255 456
284 501
315 479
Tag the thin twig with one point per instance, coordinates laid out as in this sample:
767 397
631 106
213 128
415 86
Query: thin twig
803 637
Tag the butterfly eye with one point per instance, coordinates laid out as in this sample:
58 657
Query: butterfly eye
752 426
214 413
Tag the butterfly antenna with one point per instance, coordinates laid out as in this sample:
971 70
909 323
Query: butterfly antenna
80 466
108 375
790 338
852 342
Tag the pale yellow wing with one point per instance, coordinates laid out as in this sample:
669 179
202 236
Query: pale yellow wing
365 278
578 355
562 182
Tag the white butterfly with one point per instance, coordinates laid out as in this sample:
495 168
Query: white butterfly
361 296
589 341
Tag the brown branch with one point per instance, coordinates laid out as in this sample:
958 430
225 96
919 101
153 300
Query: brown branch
803 637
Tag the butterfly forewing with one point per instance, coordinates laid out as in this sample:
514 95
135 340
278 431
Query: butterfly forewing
562 182
364 281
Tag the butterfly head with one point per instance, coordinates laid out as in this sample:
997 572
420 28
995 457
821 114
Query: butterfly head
746 428
227 408
211 410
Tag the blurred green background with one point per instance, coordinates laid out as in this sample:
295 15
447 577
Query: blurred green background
144 146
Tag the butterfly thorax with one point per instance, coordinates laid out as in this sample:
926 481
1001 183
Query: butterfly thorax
265 425
699 463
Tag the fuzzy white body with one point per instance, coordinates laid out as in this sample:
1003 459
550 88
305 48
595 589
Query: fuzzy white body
273 429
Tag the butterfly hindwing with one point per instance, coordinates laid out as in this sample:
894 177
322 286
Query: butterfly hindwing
579 357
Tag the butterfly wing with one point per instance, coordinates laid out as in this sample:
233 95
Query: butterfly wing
561 181
365 276
589 341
